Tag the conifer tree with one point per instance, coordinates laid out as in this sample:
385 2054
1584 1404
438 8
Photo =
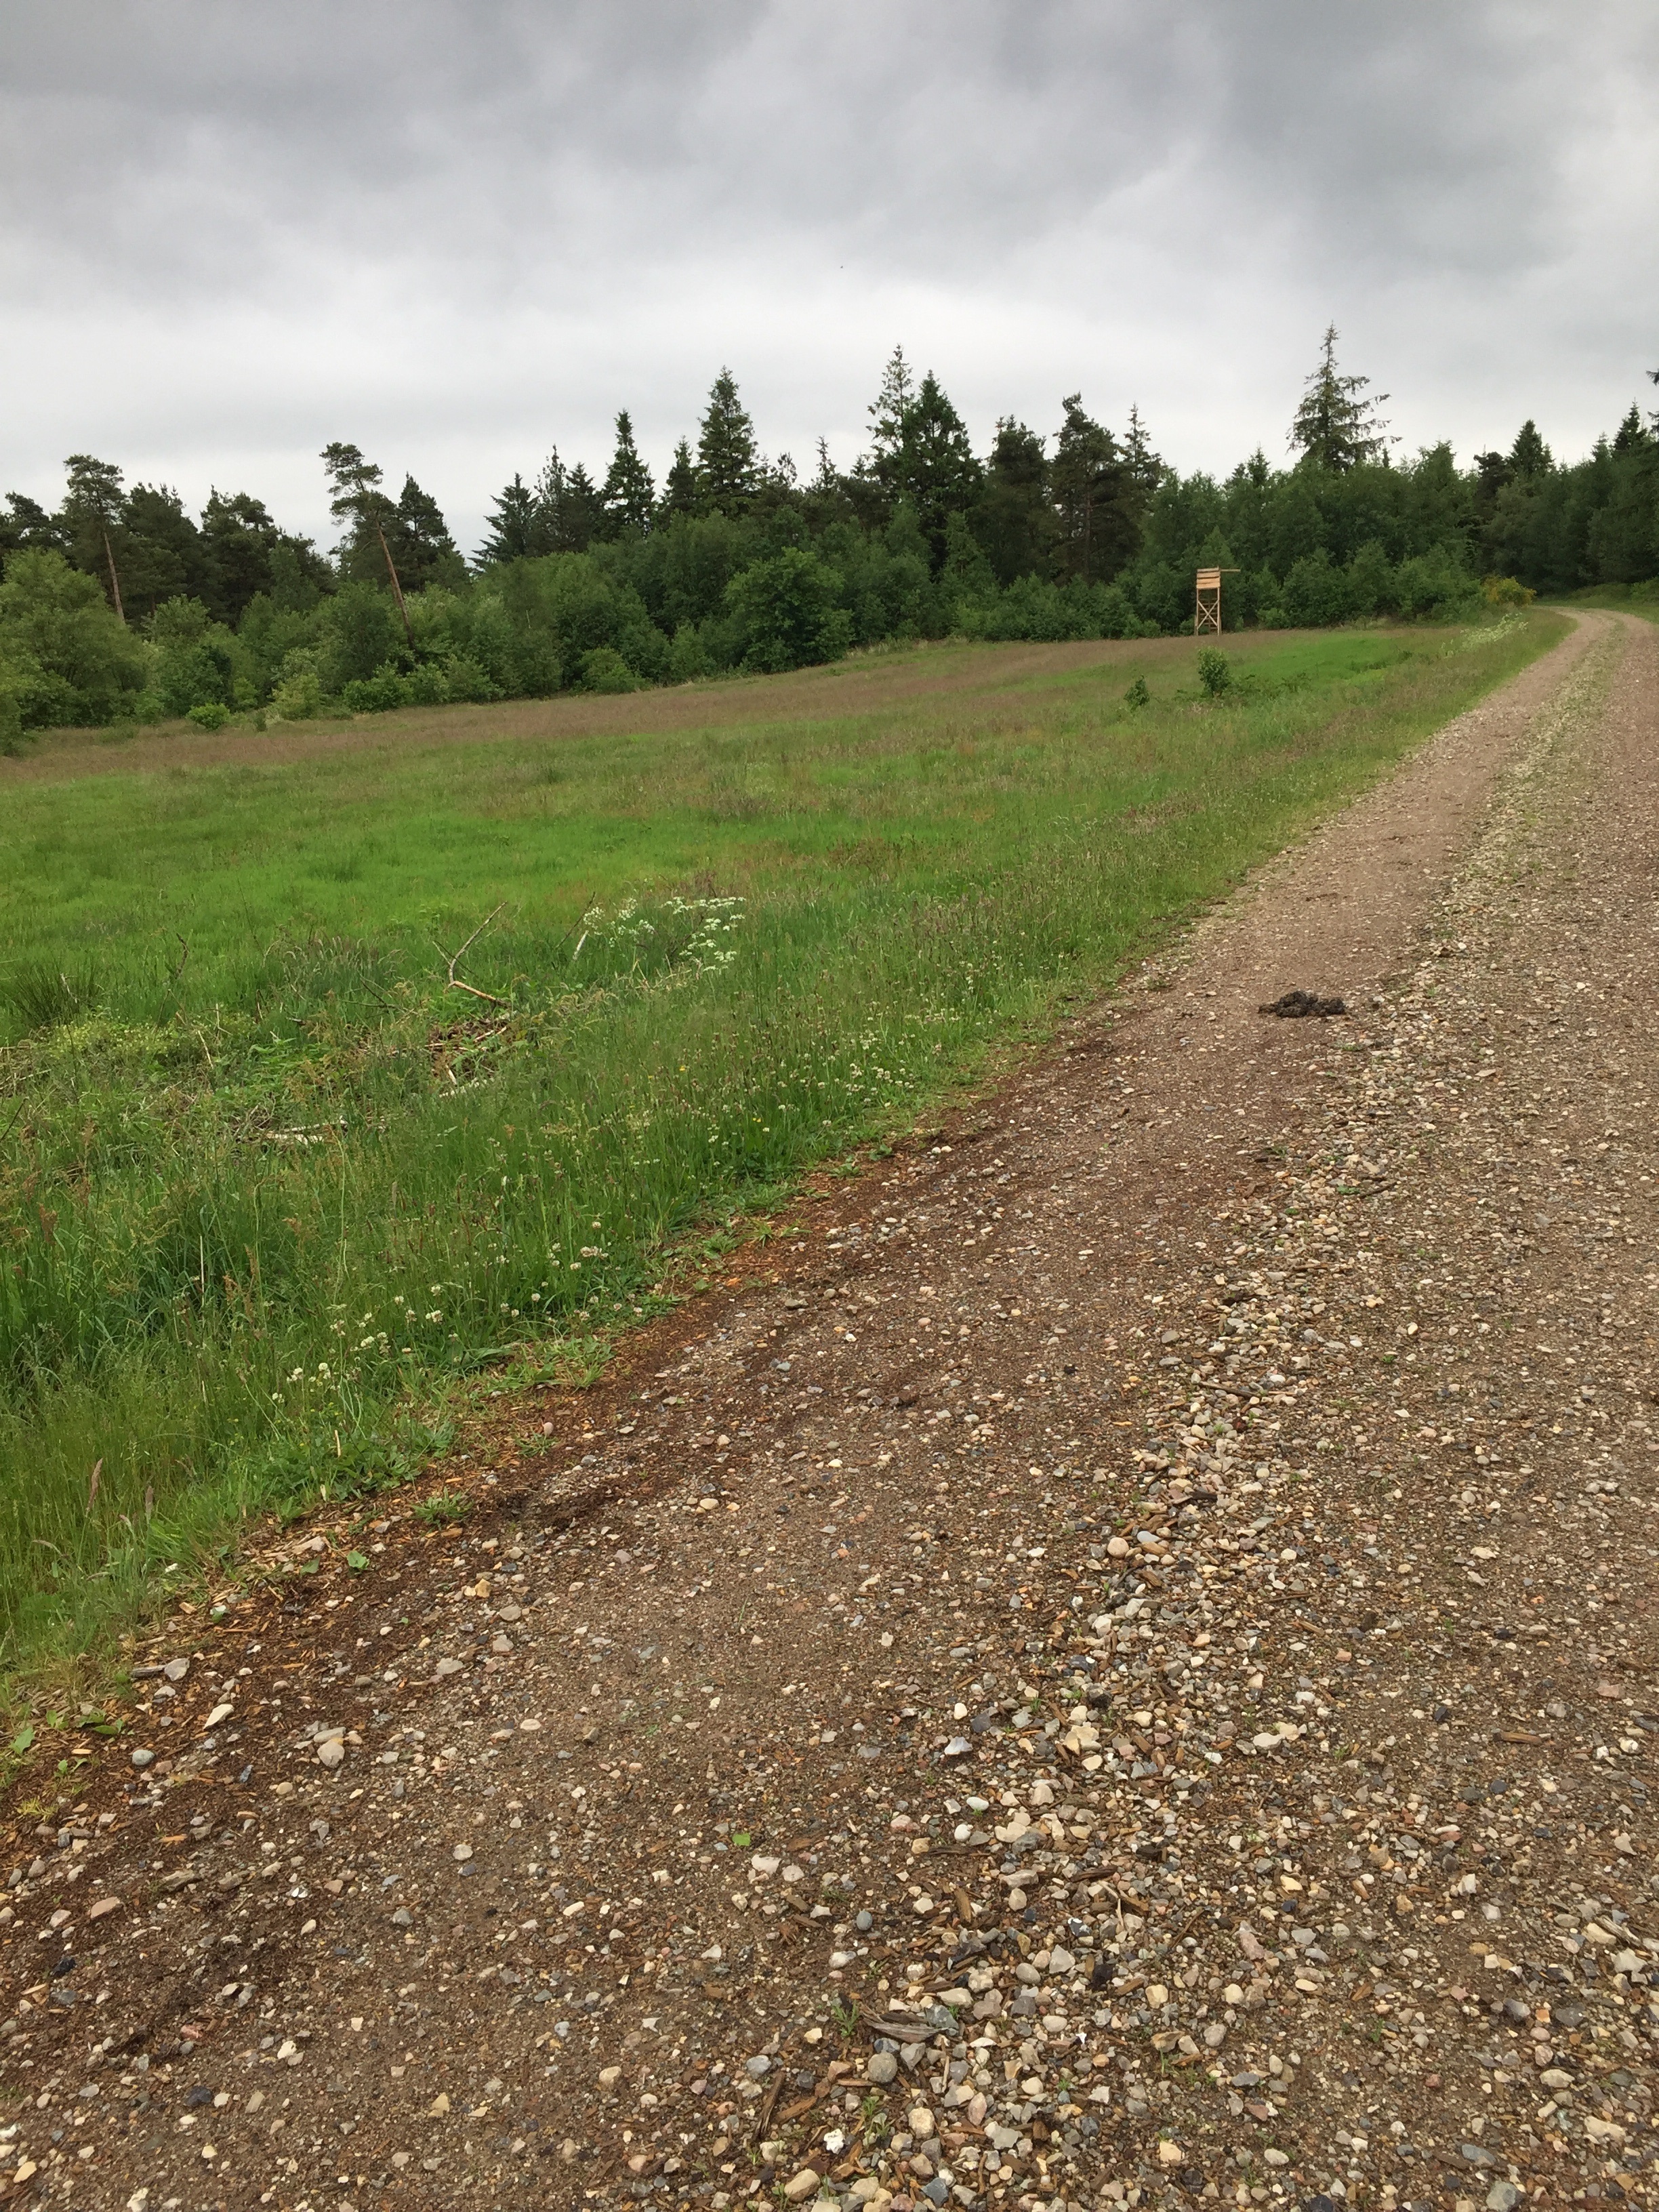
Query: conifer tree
682 493
513 526
1013 520
425 550
92 521
1529 456
921 452
1336 424
728 460
1087 478
356 497
581 512
629 495
889 411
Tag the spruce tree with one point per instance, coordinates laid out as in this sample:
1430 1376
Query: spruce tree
921 452
1013 520
682 493
629 495
1087 479
728 460
420 536
513 525
1336 425
889 411
581 516
1529 456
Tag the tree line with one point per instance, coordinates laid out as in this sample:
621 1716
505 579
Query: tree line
119 604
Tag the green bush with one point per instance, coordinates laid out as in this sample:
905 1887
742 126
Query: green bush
379 694
67 657
786 612
211 714
298 693
1215 676
426 686
603 669
1316 594
1434 584
467 682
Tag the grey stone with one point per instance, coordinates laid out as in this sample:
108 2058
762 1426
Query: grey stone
142 1758
1475 2155
758 2067
1503 2197
883 2068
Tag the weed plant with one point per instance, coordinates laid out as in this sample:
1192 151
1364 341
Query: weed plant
278 1167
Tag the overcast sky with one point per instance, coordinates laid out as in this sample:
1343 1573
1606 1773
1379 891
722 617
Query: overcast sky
460 234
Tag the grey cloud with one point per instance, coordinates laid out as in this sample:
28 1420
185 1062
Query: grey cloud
456 232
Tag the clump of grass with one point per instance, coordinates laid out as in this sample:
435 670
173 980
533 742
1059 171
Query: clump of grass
443 1510
289 1165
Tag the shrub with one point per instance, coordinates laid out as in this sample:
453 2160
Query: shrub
298 693
361 637
603 669
1138 695
688 658
376 695
467 682
1316 595
1434 583
211 714
786 612
426 686
1214 673
1505 591
67 657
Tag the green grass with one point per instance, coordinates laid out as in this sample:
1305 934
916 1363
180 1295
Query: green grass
270 1187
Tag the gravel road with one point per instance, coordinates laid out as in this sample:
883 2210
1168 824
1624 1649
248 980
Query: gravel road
1113 1662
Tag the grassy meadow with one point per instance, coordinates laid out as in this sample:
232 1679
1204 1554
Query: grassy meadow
271 1182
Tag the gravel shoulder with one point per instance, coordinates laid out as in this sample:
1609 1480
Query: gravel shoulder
1115 1662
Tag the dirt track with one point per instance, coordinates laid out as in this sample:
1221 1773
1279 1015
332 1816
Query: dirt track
1123 1667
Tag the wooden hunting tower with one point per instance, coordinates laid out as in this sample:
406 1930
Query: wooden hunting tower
1208 616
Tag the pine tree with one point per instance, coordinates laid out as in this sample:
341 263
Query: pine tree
91 517
28 527
356 497
728 461
629 495
239 537
162 553
1336 425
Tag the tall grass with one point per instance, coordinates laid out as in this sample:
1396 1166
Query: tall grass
271 1181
